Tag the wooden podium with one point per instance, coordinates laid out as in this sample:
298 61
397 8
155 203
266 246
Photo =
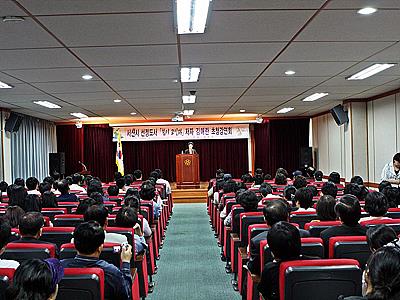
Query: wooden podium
187 171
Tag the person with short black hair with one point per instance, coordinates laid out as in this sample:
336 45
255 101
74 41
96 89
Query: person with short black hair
393 196
36 279
32 186
285 244
282 171
112 190
318 176
13 215
134 203
280 179
32 203
96 196
289 194
84 204
258 180
379 236
357 180
132 192
137 174
267 177
376 205
334 177
120 182
76 183
128 180
304 200
5 236
161 180
3 187
329 188
190 149
17 195
44 187
249 201
148 193
49 199
65 196
383 184
266 191
313 190
300 182
246 178
89 239
391 171
19 181
326 208
348 210
356 190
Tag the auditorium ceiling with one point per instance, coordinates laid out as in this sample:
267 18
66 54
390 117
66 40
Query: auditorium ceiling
133 52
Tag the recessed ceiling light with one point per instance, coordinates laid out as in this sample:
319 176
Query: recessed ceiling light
47 104
79 115
4 85
290 72
189 99
87 77
285 110
242 110
117 100
367 11
190 74
314 97
133 113
192 15
175 80
188 112
368 72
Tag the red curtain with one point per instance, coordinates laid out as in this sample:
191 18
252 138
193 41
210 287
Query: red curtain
278 143
70 141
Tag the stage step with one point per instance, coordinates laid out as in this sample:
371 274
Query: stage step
189 195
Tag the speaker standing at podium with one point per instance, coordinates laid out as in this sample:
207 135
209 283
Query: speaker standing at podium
190 149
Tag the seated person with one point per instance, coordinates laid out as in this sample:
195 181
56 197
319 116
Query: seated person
120 182
348 210
334 177
32 203
249 201
76 183
13 215
128 218
30 229
97 197
148 193
137 175
36 279
5 236
300 182
313 190
266 192
326 209
318 176
229 186
280 179
379 236
49 199
359 191
258 180
44 187
329 188
19 181
285 244
376 205
357 180
289 193
88 241
112 190
393 196
95 186
16 195
161 180
84 204
65 196
128 181
134 203
32 185
274 211
99 213
304 200
383 184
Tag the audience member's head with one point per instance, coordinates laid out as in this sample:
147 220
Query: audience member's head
19 181
227 176
128 179
304 198
229 186
326 208
275 211
357 180
32 183
284 241
265 189
356 190
282 171
348 210
334 177
13 215
329 188
126 217
258 179
318 176
89 238
31 224
219 173
382 274
55 175
44 187
49 180
76 178
267 177
160 173
300 182
313 190
84 204
248 200
396 159
98 213
289 193
3 186
138 175
5 233
96 196
36 279
379 236
132 192
63 187
383 184
49 199
154 174
32 203
68 179
117 175
132 201
376 204
259 171
95 186
147 191
112 190
392 195
280 179
17 195
246 178
120 182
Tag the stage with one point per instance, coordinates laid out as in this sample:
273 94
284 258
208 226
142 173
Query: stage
190 195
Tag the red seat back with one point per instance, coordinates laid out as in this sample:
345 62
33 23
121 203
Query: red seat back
82 283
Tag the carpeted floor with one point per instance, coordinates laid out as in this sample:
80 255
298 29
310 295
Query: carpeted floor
190 265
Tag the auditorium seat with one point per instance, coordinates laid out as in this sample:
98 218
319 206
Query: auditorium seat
68 205
302 217
57 235
354 247
315 228
319 279
24 251
6 276
81 283
67 220
394 223
393 213
51 212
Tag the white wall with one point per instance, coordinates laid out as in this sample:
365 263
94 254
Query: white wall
365 145
5 151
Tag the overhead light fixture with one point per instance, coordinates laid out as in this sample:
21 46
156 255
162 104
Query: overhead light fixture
290 72
259 119
188 112
47 104
117 100
189 99
191 15
370 71
242 110
78 124
285 110
190 74
133 113
367 11
314 97
4 85
79 115
13 19
87 77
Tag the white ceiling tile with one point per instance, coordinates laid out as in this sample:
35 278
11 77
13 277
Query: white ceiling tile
231 69
151 93
275 91
139 72
78 97
288 81
8 8
220 82
50 75
391 54
309 68
121 85
74 87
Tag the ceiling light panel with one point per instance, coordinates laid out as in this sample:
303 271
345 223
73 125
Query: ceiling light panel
4 85
189 99
79 115
285 110
315 96
190 74
370 71
191 16
47 104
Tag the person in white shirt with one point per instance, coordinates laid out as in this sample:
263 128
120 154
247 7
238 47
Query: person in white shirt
391 171
304 199
161 180
5 234
32 185
76 181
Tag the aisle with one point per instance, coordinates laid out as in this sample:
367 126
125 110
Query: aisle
190 265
